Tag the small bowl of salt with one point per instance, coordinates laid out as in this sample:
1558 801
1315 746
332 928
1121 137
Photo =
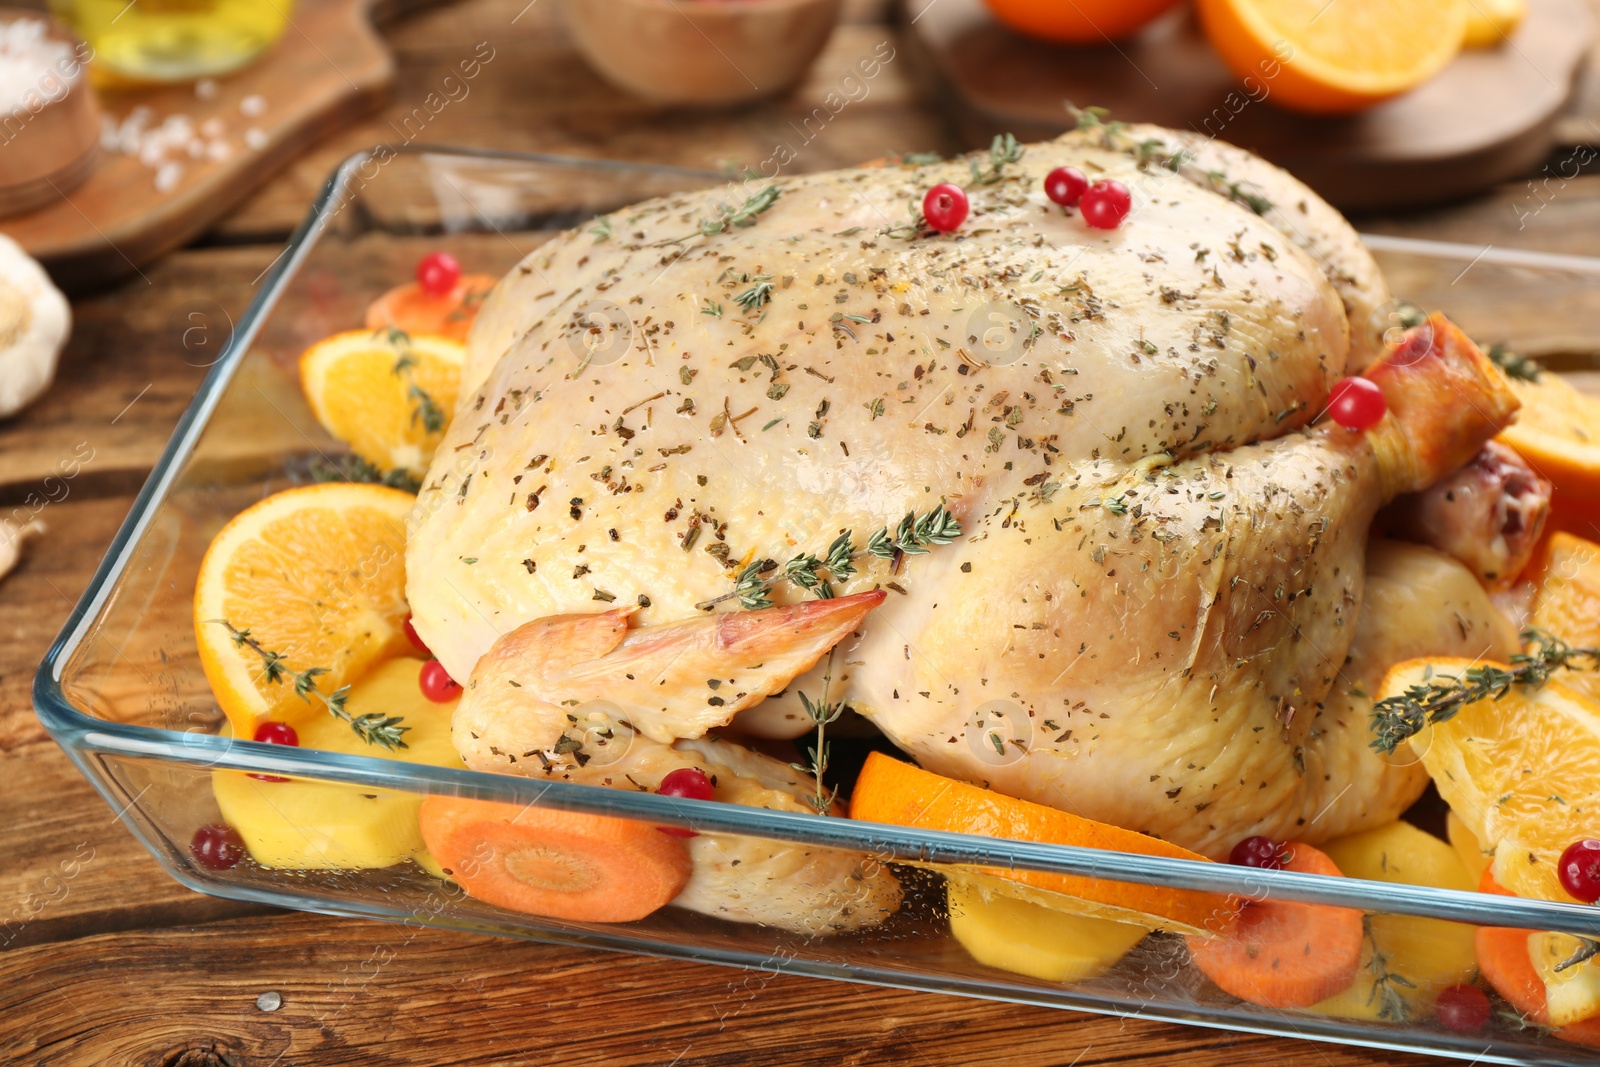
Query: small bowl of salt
49 119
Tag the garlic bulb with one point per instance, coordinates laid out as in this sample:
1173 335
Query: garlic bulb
11 538
34 322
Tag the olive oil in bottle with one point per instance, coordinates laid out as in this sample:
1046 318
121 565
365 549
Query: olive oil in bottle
175 40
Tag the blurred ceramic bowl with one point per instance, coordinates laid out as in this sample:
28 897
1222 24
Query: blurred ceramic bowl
701 51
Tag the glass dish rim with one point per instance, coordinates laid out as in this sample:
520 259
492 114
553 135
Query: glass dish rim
81 734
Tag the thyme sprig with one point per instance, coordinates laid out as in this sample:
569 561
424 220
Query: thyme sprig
1392 1005
424 408
1437 698
1096 118
1513 365
373 728
728 216
352 468
1153 150
1003 149
914 536
822 713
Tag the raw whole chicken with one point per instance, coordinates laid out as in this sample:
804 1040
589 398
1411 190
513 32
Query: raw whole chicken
1156 610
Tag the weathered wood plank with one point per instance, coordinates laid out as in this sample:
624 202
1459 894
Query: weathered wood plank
363 993
72 869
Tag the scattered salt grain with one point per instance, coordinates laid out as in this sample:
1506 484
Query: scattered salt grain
213 127
255 139
168 175
217 151
206 89
270 1001
252 107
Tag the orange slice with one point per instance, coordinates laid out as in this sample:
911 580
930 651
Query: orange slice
1566 601
893 792
1558 433
1521 772
1333 58
315 574
387 394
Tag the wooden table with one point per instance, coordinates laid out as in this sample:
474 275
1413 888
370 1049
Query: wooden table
118 964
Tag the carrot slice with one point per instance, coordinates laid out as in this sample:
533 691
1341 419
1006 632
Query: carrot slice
559 864
894 792
407 307
1503 960
1282 953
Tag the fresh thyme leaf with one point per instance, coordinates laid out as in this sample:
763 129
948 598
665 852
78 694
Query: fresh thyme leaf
744 215
374 729
1439 697
601 229
1513 365
914 535
919 159
822 713
713 309
352 468
1003 149
425 410
1392 1005
755 297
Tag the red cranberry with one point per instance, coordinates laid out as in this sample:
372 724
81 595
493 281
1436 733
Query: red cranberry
275 733
945 207
1065 186
1463 1008
1357 403
436 683
411 635
217 846
1579 867
438 272
1257 851
1105 204
690 783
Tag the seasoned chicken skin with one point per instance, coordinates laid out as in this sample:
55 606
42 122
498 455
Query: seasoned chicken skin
1161 568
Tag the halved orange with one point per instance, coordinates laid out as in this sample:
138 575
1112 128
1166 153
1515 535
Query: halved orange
1521 772
1491 22
1566 601
891 791
387 394
1078 22
1332 58
315 574
1558 433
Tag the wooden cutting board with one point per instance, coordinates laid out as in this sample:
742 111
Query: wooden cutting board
1488 117
329 67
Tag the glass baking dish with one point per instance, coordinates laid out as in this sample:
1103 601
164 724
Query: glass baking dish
123 692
